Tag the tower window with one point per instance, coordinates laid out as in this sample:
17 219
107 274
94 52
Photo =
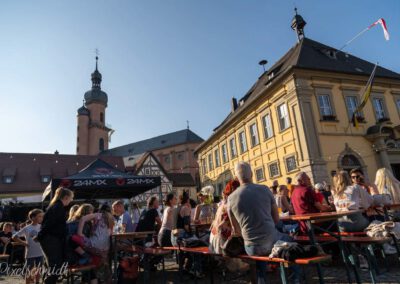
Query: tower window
101 144
101 117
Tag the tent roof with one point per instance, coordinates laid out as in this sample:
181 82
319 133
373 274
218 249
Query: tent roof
101 180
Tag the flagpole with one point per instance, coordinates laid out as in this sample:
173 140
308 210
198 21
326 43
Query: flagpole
347 43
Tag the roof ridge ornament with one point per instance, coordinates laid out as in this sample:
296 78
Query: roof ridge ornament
298 24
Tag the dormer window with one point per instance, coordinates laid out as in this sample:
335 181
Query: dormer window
45 179
330 53
8 179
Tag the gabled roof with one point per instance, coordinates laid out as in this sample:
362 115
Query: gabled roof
140 162
318 56
155 143
28 169
306 54
177 179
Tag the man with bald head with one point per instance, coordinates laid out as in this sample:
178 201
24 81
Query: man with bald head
304 199
253 213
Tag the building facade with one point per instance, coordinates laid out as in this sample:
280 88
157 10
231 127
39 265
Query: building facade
92 132
175 183
297 116
174 151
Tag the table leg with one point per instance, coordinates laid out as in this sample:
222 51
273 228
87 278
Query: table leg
211 270
115 258
313 241
283 273
345 256
371 266
355 269
146 268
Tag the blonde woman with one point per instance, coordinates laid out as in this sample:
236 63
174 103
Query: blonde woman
347 197
388 184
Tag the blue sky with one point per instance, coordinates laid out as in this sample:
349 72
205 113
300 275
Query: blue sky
163 62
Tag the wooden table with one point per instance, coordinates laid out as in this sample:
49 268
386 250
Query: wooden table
314 218
134 236
200 226
386 208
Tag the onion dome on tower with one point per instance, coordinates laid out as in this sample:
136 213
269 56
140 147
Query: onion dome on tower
83 110
96 94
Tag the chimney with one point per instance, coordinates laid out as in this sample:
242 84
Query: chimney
234 104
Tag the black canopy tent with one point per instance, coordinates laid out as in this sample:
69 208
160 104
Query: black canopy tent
100 180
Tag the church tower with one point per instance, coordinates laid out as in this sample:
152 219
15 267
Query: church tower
92 131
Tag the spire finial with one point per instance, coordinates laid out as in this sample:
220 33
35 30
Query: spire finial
83 102
187 124
97 56
295 10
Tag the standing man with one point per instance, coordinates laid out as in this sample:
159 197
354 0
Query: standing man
123 219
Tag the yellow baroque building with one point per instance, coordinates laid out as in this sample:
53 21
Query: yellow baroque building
297 117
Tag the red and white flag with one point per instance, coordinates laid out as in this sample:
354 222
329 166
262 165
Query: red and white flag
382 22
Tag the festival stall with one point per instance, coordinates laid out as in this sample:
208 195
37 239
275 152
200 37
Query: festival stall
99 180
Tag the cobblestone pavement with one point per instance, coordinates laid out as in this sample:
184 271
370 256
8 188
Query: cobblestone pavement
333 275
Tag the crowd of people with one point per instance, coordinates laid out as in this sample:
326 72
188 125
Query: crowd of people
246 210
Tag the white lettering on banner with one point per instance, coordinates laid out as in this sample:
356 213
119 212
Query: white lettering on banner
90 182
140 181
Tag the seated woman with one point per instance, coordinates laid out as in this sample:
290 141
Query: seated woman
183 231
74 253
282 199
182 227
348 196
386 183
98 244
221 227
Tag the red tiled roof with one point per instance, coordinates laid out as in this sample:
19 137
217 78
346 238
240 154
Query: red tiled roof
27 169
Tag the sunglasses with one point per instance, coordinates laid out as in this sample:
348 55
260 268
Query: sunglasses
355 177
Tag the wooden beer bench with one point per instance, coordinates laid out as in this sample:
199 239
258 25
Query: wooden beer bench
75 270
282 262
366 244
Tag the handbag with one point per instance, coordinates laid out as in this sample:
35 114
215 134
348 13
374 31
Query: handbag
382 199
234 246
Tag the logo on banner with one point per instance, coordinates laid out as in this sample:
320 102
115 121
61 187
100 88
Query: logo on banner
140 181
103 171
87 182
120 181
65 183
